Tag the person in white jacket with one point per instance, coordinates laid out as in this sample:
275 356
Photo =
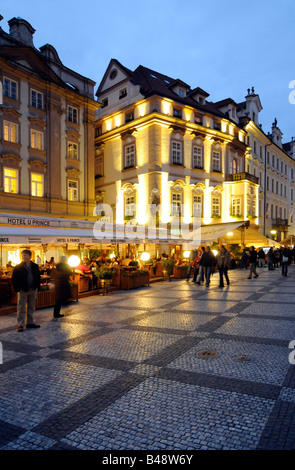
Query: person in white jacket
223 264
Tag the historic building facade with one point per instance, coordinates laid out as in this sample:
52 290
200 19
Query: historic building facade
47 115
47 129
160 142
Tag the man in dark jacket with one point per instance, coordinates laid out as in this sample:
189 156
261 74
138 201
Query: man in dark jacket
26 282
207 262
252 262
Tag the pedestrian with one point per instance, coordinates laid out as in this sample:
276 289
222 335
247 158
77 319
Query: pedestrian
261 258
244 259
223 263
190 267
26 282
286 260
62 287
252 262
201 270
196 265
277 258
270 259
207 262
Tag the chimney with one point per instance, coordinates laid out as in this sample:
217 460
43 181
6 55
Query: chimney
22 31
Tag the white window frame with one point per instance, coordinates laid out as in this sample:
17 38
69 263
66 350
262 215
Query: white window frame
216 161
8 85
216 206
197 205
129 206
9 180
10 132
177 155
236 208
37 185
129 155
176 203
72 114
37 139
197 156
36 99
73 190
73 151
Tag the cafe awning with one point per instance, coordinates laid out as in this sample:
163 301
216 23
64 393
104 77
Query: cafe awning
249 236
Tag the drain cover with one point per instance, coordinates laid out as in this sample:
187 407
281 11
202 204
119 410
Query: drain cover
208 354
243 358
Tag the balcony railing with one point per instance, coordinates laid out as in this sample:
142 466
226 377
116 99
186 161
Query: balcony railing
242 176
279 222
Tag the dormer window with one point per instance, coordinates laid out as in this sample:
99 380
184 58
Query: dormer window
122 93
181 92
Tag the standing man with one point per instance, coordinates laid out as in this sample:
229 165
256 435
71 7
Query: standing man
252 262
26 282
223 264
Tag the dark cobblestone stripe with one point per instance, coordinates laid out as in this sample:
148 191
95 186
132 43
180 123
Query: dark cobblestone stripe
171 352
154 329
81 339
221 383
214 324
96 361
279 431
9 432
18 362
290 377
63 423
238 308
20 347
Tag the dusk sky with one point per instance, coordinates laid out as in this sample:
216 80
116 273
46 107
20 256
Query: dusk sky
224 47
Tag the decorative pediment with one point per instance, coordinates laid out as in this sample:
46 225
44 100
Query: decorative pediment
177 130
73 173
11 112
10 159
72 133
36 121
131 133
37 165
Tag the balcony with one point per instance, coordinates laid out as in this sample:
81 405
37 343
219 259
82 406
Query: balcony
242 176
280 222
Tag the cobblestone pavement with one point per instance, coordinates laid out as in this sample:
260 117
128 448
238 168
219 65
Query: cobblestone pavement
172 366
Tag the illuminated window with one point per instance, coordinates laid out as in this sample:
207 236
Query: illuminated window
37 140
73 114
73 191
176 204
36 99
216 206
197 157
129 156
10 180
10 131
129 206
37 184
177 153
10 88
197 206
216 163
73 151
236 207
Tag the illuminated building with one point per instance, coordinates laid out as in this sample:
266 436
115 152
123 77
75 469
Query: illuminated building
158 141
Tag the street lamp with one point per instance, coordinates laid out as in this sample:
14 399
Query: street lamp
74 261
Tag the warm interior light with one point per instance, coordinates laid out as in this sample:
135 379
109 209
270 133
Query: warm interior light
230 234
145 256
215 252
112 255
74 261
186 254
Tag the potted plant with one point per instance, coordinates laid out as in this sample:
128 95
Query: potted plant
167 267
105 275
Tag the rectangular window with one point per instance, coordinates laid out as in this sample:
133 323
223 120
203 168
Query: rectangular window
10 180
197 206
129 206
176 204
37 184
129 117
73 114
10 132
236 207
197 157
129 156
99 167
177 113
10 88
216 161
73 191
216 206
122 93
176 153
73 151
37 140
36 99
